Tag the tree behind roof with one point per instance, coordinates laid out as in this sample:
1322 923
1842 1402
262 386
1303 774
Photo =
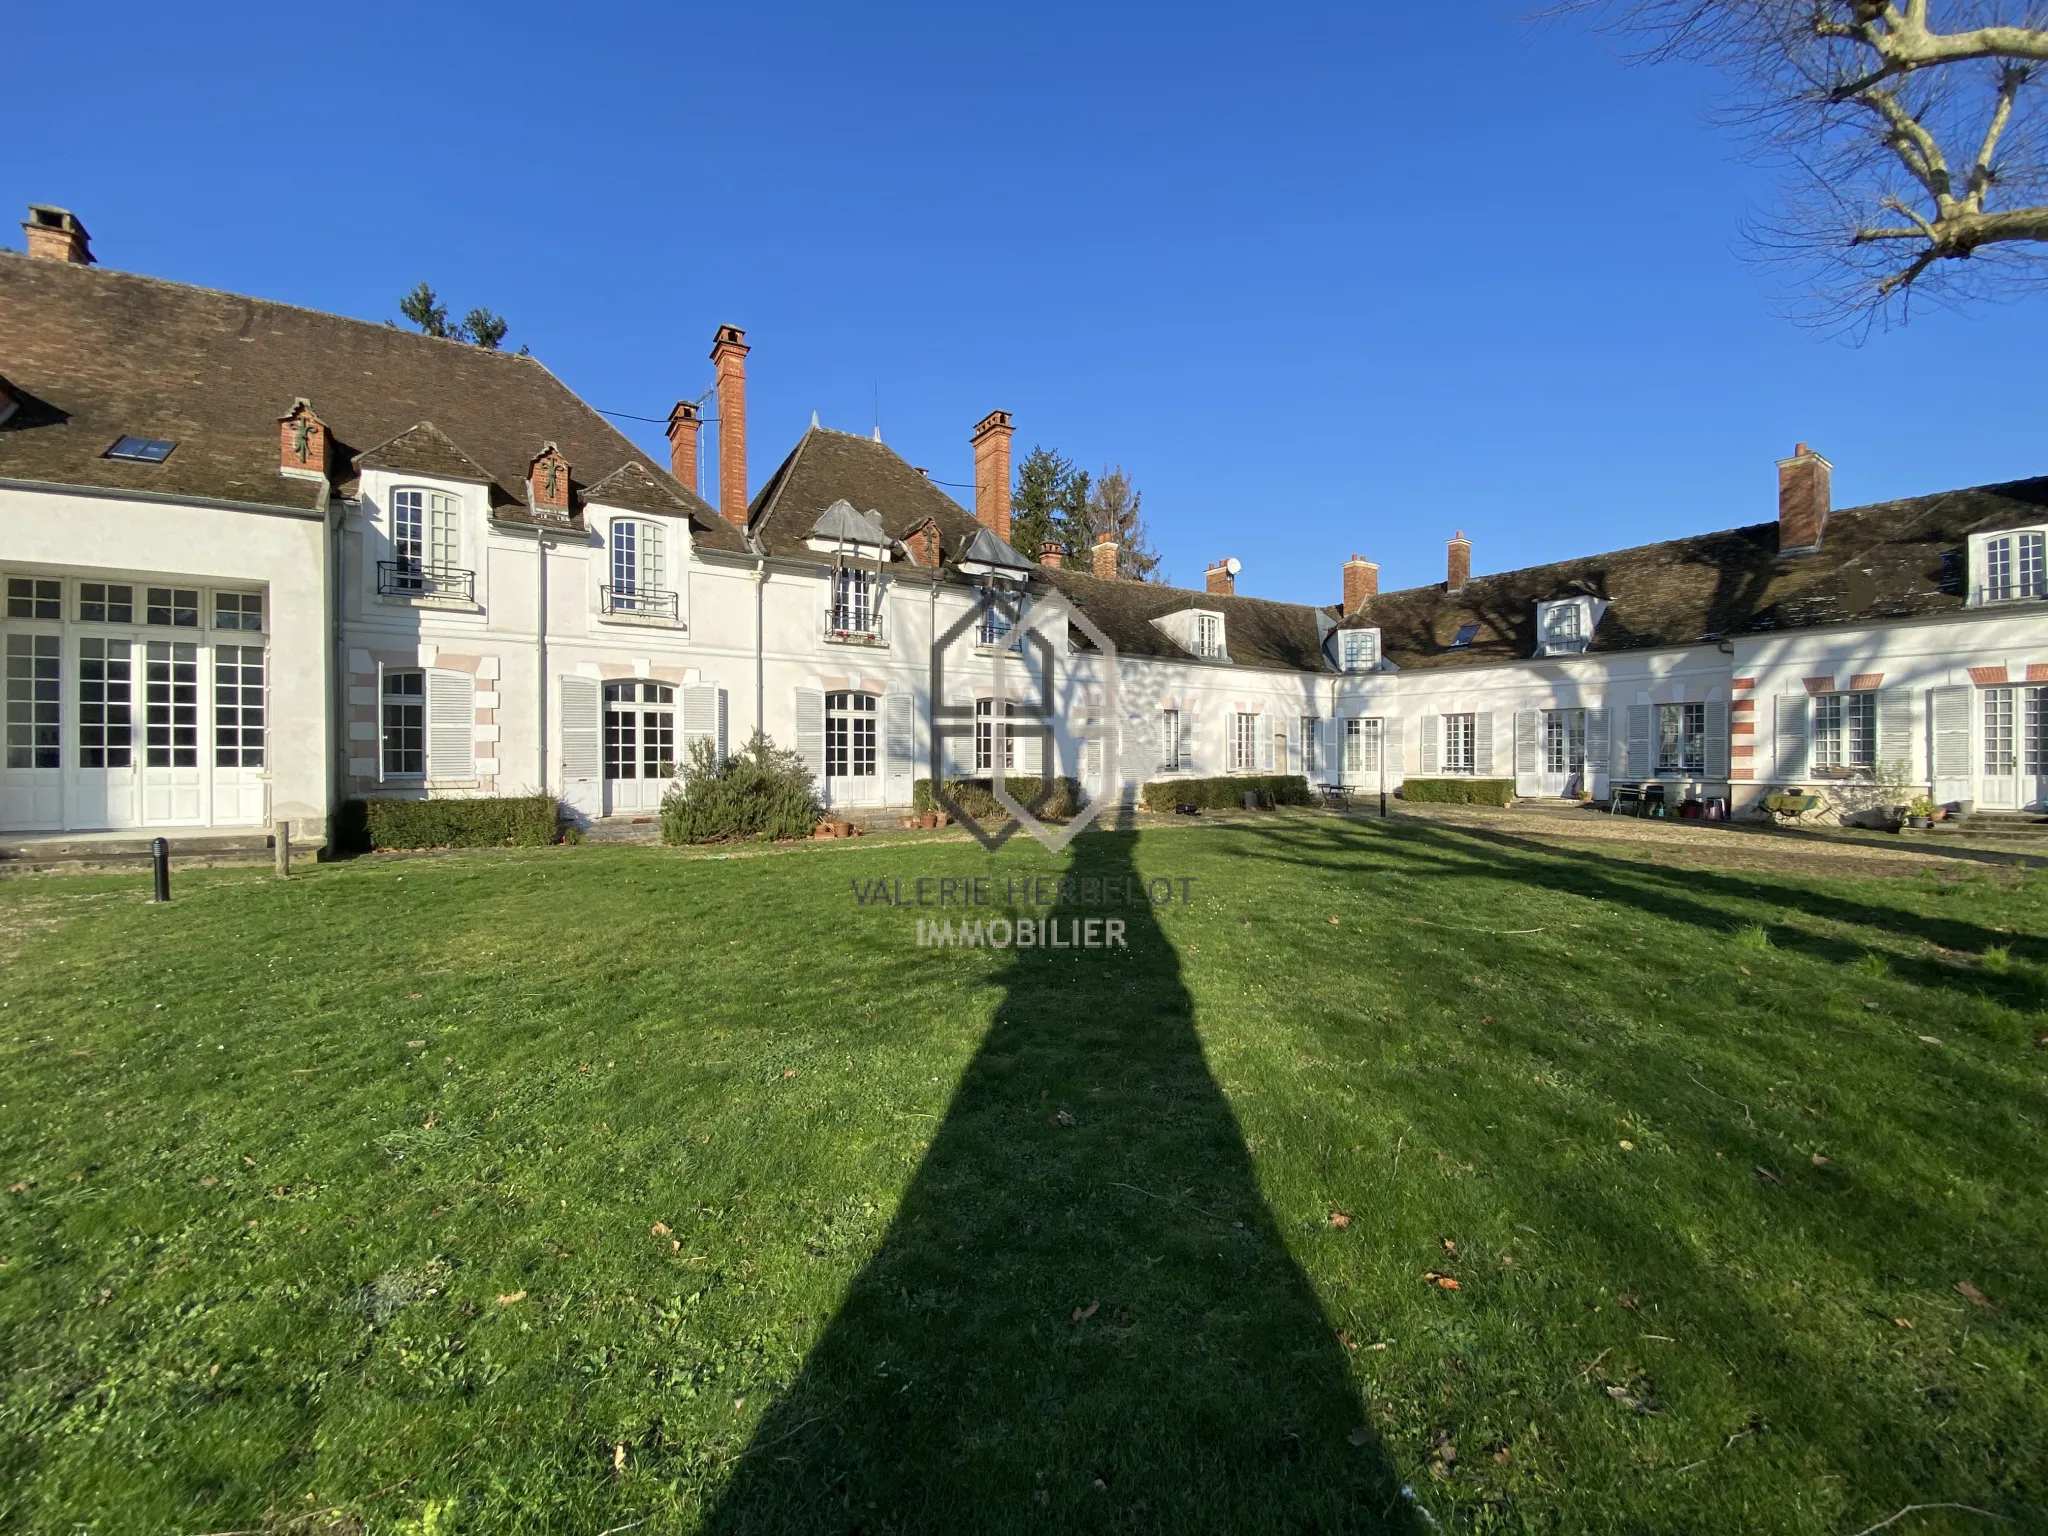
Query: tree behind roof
1113 510
1050 502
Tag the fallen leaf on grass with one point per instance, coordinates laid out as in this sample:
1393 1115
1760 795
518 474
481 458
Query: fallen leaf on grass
18 1189
1441 1281
414 1045
1821 1160
1334 923
1631 1300
1082 1314
1065 1118
1627 1399
208 1183
659 1229
1930 1039
1340 1219
1363 1435
1902 1322
1125 1318
1628 1146
1767 1176
509 1298
1500 1457
1975 1297
789 1072
1344 1338
415 996
1450 1246
249 1160
619 1455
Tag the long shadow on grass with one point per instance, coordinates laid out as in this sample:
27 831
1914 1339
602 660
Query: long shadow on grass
1077 1327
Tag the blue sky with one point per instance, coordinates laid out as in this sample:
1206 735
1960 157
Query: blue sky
1323 279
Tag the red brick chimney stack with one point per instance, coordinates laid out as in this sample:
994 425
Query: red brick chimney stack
1458 563
1361 583
1052 554
683 426
729 361
991 441
1221 579
1804 493
54 234
1103 558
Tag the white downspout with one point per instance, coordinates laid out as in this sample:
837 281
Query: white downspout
540 628
760 663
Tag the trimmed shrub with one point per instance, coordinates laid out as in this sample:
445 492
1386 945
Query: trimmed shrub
758 794
1227 794
977 797
496 821
1458 791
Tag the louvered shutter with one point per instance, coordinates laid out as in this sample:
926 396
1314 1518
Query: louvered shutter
1596 744
1328 768
451 725
1951 729
810 732
1266 732
704 720
1528 778
1895 730
653 559
582 749
1482 744
1637 762
1432 734
1394 750
1717 739
899 731
1092 766
1190 741
1791 739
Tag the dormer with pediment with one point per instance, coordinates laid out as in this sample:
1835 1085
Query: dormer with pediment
424 504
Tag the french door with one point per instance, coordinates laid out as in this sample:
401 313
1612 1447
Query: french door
639 746
105 790
2012 757
1564 751
852 773
32 780
173 780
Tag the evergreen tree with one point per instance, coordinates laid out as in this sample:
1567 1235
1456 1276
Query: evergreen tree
1050 502
1113 510
480 328
424 309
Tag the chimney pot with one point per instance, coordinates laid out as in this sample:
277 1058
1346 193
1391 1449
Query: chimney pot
54 234
729 360
684 423
991 440
1804 492
1361 583
1104 557
1458 563
1222 580
1052 554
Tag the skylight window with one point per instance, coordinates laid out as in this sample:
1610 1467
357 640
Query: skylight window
141 450
1464 636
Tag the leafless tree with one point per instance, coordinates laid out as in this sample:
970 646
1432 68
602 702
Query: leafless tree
1911 132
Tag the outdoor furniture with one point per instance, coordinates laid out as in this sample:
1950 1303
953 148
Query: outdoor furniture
1335 797
1789 805
1624 800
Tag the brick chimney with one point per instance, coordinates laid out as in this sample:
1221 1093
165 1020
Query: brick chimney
729 360
1804 492
1458 563
1052 554
991 441
547 485
1361 582
683 425
1221 578
302 443
54 234
1103 557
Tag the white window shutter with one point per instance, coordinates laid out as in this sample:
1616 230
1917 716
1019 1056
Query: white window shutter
1328 744
582 752
1638 762
900 740
703 720
1950 708
1092 767
1265 730
1895 730
1395 747
1717 739
1596 744
451 725
1791 765
1482 744
1190 741
1528 778
1432 737
810 731
653 565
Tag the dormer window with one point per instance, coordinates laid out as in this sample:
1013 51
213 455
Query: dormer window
2011 565
1565 627
1208 636
639 584
1003 610
1360 650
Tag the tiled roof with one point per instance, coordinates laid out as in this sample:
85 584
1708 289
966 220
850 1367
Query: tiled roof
109 354
1894 559
827 466
1256 632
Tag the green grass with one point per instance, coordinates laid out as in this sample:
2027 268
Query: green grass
1706 1143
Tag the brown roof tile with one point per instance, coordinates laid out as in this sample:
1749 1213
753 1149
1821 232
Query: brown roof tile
827 466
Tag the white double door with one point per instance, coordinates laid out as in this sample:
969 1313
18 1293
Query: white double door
1564 751
853 768
2012 748
639 746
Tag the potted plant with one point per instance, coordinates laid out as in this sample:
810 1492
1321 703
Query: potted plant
1920 813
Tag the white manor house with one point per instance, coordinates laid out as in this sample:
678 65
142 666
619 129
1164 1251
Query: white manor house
259 561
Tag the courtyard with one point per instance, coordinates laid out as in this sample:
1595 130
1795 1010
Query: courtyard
1569 1183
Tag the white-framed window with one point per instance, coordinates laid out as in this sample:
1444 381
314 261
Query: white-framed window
1169 738
1244 743
1209 635
405 724
2013 565
1845 730
850 735
33 706
639 730
853 601
237 610
1564 742
1311 738
1681 738
1563 628
177 607
639 563
103 602
1002 603
170 705
426 531
1461 738
34 597
1020 743
1361 650
1354 746
238 706
106 703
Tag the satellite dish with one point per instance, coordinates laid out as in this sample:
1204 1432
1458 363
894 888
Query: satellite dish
1233 565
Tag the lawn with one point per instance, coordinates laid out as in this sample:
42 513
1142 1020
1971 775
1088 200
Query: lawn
601 1189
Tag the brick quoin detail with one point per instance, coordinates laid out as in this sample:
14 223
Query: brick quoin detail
1742 728
1742 707
1742 775
1742 749
1820 685
1866 682
1744 682
1987 677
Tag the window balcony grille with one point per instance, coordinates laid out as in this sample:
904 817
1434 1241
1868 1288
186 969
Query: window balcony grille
641 603
410 578
853 624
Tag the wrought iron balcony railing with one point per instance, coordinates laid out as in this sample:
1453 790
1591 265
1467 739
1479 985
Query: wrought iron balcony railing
641 603
847 624
409 578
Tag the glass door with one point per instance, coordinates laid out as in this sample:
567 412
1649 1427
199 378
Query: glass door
1997 758
32 779
639 746
2033 785
1564 751
173 782
104 786
852 776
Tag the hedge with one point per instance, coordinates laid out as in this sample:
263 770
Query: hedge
1228 793
977 797
1459 791
492 822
